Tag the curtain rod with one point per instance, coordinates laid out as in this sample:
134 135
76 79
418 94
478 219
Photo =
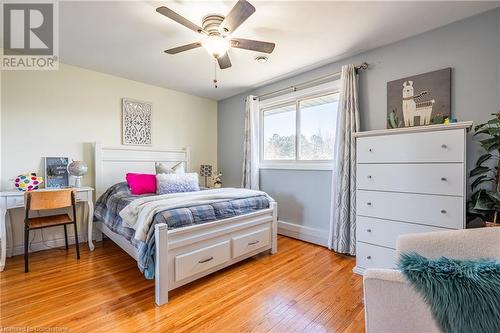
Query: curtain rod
302 85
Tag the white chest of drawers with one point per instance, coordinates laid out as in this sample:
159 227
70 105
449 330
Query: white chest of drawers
408 180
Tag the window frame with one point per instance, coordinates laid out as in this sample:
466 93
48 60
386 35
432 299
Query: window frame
296 97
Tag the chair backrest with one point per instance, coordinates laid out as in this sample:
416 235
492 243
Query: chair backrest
40 200
463 244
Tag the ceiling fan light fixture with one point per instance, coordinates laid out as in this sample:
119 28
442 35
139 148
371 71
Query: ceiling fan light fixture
216 46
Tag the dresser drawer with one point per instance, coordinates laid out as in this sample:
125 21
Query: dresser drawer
252 241
445 179
434 210
197 261
385 232
442 146
373 256
82 196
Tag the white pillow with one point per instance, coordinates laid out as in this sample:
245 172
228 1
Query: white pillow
163 168
177 182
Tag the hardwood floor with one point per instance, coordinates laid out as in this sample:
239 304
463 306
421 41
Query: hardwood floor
302 288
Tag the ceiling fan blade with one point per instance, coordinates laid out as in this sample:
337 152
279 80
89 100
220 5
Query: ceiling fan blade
224 61
183 48
238 14
253 45
179 19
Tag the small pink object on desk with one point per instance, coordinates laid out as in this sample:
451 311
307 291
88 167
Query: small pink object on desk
141 183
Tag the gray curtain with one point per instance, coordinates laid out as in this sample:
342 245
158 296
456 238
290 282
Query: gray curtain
342 236
250 168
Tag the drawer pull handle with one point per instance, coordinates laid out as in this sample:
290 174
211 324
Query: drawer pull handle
205 260
443 211
369 177
368 230
444 146
253 243
370 150
368 257
369 203
443 179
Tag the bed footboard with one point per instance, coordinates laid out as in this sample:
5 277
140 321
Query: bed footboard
274 236
161 263
186 254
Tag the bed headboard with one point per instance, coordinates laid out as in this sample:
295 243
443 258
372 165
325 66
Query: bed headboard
113 163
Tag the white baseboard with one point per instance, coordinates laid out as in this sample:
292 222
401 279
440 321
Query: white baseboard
358 270
52 243
307 234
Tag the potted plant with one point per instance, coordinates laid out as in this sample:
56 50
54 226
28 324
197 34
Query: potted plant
484 202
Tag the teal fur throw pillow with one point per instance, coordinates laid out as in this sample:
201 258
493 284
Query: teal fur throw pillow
463 295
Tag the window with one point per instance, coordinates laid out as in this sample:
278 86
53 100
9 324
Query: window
279 133
299 131
317 127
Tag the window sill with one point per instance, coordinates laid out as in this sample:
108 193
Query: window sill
297 166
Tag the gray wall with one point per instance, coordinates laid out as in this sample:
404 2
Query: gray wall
471 47
302 195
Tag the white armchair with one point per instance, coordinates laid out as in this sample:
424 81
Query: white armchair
391 305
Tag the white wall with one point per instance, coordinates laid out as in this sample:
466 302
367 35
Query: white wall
61 113
1 178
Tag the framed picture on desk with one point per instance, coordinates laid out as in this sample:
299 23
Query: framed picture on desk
56 172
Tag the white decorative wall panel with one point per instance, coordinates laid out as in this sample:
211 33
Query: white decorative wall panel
137 117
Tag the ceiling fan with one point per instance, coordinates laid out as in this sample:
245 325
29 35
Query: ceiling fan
216 30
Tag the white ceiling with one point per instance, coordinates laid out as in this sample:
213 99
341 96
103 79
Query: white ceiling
127 39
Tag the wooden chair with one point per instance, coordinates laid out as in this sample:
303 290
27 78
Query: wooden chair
44 200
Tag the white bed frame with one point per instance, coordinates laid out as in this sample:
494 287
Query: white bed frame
189 253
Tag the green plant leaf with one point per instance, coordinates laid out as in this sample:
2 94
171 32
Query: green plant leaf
494 195
473 213
492 122
493 131
478 127
479 180
482 159
491 143
484 202
474 196
478 171
477 213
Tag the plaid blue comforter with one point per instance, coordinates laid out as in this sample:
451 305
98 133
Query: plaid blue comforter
118 196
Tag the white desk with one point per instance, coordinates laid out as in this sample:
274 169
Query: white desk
15 199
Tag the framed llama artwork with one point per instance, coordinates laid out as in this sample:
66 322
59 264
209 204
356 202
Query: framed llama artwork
419 100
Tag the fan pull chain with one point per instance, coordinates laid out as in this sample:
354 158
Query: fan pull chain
215 73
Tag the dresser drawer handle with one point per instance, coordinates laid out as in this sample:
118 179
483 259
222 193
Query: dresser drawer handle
369 177
443 179
443 211
368 230
369 203
205 260
370 150
444 146
368 257
253 243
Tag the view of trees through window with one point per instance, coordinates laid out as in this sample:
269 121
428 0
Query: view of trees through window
279 133
315 135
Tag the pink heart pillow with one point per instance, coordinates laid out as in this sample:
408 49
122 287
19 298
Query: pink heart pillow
141 183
